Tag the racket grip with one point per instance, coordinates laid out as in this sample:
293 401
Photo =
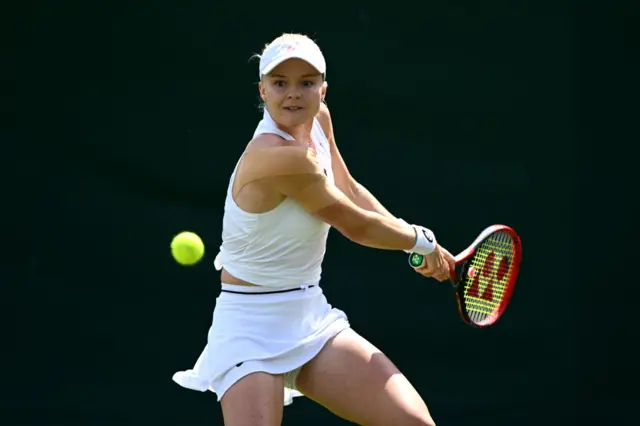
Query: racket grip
416 260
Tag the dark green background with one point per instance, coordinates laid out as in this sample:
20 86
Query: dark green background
129 121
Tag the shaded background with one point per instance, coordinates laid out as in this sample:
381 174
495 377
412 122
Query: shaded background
129 121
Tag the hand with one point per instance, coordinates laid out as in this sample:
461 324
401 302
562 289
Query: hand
438 264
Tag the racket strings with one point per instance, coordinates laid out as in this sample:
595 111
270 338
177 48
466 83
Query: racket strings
488 273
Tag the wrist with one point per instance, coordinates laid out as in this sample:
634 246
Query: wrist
425 241
405 223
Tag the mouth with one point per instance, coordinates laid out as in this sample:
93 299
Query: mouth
292 108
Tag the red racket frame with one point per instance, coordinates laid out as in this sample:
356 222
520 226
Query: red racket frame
510 285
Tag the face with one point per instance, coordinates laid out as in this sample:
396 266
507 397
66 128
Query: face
293 92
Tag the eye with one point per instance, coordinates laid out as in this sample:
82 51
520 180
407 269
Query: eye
308 83
279 83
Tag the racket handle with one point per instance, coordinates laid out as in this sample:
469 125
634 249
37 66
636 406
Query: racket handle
416 260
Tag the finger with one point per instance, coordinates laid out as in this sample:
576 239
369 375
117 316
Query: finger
425 268
446 266
442 275
431 272
426 273
452 266
435 274
424 264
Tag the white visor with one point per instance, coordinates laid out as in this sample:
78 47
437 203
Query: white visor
300 48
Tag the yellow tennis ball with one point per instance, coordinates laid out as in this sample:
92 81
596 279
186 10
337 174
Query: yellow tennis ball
187 248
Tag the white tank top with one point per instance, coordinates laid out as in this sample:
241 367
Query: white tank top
283 247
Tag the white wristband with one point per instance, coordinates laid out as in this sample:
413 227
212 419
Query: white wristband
425 241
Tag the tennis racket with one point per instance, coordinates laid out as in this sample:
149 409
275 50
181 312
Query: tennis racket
485 275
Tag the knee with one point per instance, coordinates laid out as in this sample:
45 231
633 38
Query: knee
423 419
414 420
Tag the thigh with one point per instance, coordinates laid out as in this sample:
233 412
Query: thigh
255 400
357 382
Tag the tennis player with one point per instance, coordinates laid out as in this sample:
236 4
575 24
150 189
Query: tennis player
274 335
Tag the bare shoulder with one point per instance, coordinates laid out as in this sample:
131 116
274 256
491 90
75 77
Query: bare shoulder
272 155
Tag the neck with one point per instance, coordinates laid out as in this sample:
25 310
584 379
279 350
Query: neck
301 132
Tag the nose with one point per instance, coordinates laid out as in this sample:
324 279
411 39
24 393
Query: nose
294 93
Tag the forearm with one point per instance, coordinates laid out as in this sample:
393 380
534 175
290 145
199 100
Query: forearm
382 232
365 199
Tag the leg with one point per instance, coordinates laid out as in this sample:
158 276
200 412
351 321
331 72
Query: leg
357 382
255 400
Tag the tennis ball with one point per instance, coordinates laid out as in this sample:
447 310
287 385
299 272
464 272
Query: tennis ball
187 248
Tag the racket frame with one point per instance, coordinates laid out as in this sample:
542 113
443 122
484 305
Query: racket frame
461 269
461 261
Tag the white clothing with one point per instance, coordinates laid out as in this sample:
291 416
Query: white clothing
283 247
274 333
287 47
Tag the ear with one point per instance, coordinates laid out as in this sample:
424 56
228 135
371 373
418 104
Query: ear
323 91
262 90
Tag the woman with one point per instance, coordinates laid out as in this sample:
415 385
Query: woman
272 326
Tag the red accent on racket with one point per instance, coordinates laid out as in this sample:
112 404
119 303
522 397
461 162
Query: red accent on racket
485 274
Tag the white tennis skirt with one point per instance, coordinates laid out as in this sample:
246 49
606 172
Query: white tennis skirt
273 333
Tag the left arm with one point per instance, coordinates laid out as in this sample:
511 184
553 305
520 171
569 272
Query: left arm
361 196
365 199
357 193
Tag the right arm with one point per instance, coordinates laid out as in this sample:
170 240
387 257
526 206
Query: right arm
361 226
295 173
